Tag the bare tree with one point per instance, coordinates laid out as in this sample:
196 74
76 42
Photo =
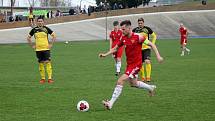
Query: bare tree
32 2
53 3
2 2
12 2
44 3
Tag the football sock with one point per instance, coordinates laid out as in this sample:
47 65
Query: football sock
143 85
118 66
142 72
182 53
188 50
116 93
49 70
42 70
148 71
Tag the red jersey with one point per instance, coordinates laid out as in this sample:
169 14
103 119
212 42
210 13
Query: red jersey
183 32
115 36
133 48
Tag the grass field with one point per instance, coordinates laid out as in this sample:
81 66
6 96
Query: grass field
186 85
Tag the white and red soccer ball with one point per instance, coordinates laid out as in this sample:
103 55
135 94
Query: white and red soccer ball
83 106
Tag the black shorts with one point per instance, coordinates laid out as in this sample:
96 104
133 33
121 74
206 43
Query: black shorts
43 55
146 54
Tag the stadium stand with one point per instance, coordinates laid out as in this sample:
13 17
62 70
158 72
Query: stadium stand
165 24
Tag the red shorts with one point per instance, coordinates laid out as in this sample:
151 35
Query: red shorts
132 70
183 41
118 53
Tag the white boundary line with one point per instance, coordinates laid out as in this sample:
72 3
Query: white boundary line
88 20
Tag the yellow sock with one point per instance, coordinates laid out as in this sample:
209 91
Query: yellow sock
148 70
49 70
42 70
142 73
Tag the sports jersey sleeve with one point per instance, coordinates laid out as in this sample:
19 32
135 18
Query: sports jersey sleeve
143 39
110 35
149 30
31 33
120 43
49 30
154 37
152 33
146 42
185 31
134 30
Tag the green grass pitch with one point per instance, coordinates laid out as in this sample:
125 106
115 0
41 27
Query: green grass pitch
185 85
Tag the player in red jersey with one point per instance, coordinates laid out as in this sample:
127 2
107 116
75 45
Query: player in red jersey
133 45
115 37
184 33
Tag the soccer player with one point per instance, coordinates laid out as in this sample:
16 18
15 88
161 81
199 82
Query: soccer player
42 47
115 37
133 44
184 33
146 50
31 17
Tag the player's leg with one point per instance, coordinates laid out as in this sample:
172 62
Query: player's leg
148 70
47 59
114 55
118 66
148 65
142 70
119 60
41 66
183 46
182 50
142 85
117 91
49 71
134 82
31 22
186 49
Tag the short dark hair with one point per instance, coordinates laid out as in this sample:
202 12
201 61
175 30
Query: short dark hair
40 17
115 23
140 19
125 22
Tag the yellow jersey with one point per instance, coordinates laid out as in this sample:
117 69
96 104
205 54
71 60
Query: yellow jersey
41 37
146 32
31 16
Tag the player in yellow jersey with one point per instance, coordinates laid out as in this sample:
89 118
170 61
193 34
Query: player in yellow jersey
42 47
146 50
31 17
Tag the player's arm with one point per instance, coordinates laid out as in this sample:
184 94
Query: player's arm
154 47
30 42
112 50
111 40
29 38
187 32
144 40
53 37
152 33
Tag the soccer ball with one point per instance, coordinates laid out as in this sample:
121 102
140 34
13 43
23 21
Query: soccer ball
83 106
